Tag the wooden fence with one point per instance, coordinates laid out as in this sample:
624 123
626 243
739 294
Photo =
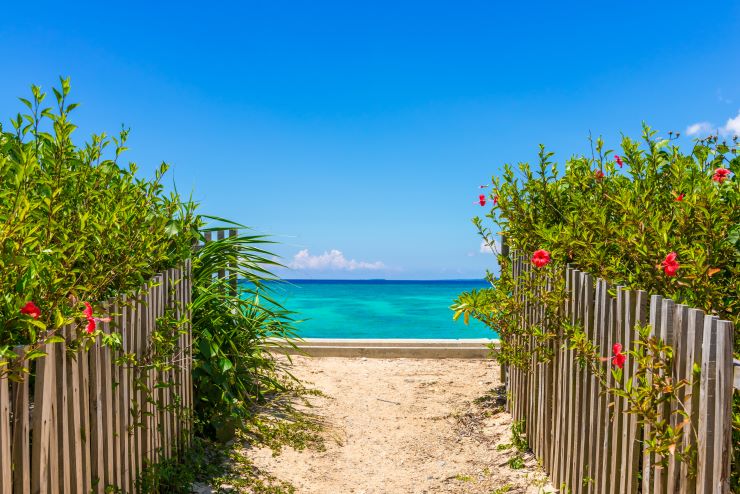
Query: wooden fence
584 438
82 422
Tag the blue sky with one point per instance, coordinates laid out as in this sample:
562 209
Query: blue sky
357 133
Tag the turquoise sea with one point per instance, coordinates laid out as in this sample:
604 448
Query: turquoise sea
379 308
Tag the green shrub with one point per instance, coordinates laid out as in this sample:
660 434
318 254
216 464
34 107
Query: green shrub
620 222
649 217
233 370
76 225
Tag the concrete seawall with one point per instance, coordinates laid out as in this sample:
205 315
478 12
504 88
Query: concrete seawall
391 348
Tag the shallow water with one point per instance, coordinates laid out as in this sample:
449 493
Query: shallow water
379 308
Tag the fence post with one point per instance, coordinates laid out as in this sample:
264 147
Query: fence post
21 441
707 398
504 253
723 444
221 272
6 479
233 266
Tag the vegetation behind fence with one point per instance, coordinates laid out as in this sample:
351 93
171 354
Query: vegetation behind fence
651 215
592 441
91 418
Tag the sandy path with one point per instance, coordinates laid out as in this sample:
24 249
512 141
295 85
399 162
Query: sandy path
398 430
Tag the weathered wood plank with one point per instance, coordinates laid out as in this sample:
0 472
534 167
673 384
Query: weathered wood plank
21 440
594 390
137 404
694 338
74 461
599 400
617 410
678 373
607 340
723 408
54 476
648 459
667 311
6 476
115 436
532 395
559 440
83 367
529 375
137 332
62 449
707 417
548 379
639 303
163 376
107 390
233 267
580 410
122 399
189 337
43 423
97 424
154 427
609 331
570 475
221 272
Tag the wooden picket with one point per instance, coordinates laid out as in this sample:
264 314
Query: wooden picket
90 422
586 439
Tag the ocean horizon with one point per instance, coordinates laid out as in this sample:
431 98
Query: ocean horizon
379 308
384 280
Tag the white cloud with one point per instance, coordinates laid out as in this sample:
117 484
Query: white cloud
732 127
331 260
702 129
487 248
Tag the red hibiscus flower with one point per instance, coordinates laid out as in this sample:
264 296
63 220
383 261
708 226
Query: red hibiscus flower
92 321
619 161
679 197
721 174
541 258
495 200
670 264
599 175
31 309
619 358
482 200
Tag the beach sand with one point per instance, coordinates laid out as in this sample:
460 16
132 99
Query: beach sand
402 426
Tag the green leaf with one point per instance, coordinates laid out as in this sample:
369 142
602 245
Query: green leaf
34 354
58 318
225 364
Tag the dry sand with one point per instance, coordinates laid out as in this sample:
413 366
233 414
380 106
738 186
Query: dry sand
400 426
